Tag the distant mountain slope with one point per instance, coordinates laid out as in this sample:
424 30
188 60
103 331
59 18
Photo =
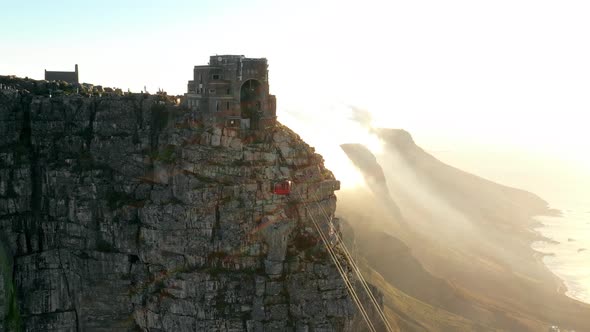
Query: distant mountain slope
461 251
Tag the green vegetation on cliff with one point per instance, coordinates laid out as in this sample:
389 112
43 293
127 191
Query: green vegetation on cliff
12 318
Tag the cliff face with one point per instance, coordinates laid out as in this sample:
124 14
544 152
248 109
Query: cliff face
126 212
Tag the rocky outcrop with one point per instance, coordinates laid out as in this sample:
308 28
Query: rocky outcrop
126 212
373 174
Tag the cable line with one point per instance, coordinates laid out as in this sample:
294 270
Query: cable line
341 270
355 267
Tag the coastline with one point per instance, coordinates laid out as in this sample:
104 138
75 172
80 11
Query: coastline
538 256
563 285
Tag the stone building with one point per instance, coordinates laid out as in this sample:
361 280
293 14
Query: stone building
233 90
67 76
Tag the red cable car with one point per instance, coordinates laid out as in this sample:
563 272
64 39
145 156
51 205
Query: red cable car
282 187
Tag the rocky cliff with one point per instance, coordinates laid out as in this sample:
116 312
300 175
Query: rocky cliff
127 212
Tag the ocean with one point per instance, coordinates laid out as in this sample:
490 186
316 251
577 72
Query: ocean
565 186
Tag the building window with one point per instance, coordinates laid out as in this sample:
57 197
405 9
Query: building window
228 91
212 91
215 77
227 105
217 106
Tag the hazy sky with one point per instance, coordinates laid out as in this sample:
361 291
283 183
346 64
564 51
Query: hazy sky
455 73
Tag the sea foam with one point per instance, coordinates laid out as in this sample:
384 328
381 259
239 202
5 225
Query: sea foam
568 254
